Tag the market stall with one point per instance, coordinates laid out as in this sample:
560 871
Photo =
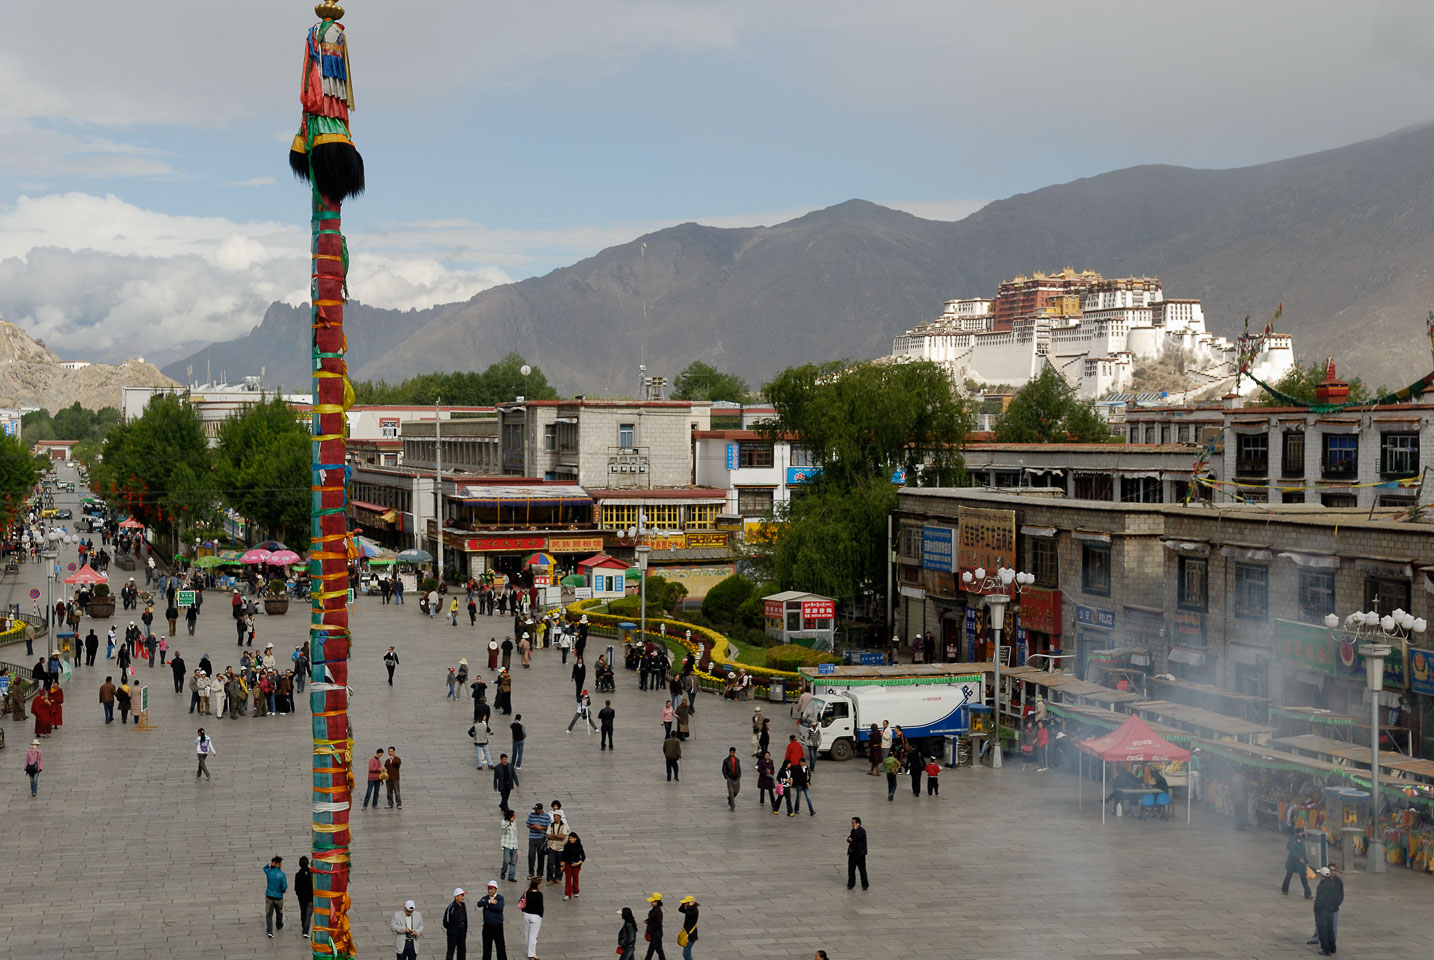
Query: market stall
1131 742
1200 721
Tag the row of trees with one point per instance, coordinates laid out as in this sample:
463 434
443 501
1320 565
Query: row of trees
89 427
161 469
500 382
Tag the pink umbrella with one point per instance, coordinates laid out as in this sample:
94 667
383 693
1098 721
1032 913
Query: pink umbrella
256 556
283 558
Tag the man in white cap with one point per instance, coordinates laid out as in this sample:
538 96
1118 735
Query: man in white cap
407 927
455 923
491 906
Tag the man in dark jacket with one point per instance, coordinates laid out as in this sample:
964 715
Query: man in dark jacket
304 893
856 854
672 751
505 781
1328 897
1295 863
455 922
605 718
580 678
732 773
492 907
177 665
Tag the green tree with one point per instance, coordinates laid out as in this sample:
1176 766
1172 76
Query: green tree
869 427
263 468
721 603
158 464
1046 410
18 473
699 381
1300 383
501 381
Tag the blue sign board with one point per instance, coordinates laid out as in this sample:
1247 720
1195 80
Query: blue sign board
1421 671
796 475
871 659
1022 647
826 669
1095 617
731 456
937 549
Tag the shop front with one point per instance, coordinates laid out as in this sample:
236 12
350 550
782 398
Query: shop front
1095 634
1038 627
492 558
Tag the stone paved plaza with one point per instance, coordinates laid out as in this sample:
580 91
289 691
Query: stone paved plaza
126 854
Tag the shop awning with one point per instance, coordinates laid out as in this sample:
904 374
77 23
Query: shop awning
1255 554
1188 548
538 496
365 505
1311 560
1401 569
1092 536
1030 530
1187 655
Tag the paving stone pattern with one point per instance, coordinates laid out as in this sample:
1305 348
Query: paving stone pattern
126 854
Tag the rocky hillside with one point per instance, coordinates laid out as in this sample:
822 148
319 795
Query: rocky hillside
31 376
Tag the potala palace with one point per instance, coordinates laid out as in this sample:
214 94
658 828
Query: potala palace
1095 331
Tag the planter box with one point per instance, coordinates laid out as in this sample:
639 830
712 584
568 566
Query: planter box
102 608
275 606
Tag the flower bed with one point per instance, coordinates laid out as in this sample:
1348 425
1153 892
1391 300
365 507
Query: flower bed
716 642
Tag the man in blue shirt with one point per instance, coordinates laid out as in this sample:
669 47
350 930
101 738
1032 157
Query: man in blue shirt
538 823
275 886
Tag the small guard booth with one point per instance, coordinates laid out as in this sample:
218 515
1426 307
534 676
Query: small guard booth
805 618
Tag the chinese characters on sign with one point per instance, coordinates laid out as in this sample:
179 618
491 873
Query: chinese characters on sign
937 549
1095 617
584 545
1189 630
818 609
1305 646
1421 671
1041 610
987 541
500 544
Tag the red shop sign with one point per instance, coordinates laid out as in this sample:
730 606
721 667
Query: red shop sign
504 544
818 609
1041 610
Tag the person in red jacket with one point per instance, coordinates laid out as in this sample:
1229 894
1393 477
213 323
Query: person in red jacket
794 754
375 769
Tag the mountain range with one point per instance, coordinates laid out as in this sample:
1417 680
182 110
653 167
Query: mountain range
1343 238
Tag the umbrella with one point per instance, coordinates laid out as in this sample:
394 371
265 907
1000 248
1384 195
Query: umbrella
87 574
363 547
575 580
206 563
540 559
273 546
414 556
283 558
130 523
256 556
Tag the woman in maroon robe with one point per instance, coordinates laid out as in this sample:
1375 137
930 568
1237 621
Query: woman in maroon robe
40 710
57 706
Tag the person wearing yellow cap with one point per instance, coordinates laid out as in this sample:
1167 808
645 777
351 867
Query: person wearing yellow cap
654 928
687 936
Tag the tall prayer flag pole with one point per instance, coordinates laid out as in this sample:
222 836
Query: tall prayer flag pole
324 155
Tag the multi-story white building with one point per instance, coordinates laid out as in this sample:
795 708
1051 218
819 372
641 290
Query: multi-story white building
622 444
758 473
1092 330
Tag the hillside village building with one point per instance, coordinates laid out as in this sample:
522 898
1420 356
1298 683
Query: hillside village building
1093 330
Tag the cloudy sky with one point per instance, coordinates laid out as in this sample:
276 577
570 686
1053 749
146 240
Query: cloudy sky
145 202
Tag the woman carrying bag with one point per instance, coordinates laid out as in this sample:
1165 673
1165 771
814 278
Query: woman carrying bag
687 936
627 936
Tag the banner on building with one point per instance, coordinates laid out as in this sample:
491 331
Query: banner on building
938 548
987 541
1306 647
584 545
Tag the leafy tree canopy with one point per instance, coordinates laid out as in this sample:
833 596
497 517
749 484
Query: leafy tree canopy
501 381
1046 410
1300 383
699 381
262 466
158 467
18 473
871 420
864 424
70 423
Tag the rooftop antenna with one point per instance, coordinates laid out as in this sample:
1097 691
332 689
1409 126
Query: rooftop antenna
642 343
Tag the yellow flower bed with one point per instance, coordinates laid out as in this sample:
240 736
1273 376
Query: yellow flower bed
716 643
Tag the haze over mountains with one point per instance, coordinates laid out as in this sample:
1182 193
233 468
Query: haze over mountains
1343 238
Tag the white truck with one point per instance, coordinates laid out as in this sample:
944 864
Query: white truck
926 713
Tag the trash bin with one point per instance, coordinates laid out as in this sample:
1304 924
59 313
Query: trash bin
776 691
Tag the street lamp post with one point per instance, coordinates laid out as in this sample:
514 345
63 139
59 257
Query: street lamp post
1398 625
997 592
643 549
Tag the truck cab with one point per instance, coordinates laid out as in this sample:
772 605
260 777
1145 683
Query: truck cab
830 715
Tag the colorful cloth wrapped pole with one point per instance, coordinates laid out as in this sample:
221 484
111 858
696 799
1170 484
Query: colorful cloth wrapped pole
323 154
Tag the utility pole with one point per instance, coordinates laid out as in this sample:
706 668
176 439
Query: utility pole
438 481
